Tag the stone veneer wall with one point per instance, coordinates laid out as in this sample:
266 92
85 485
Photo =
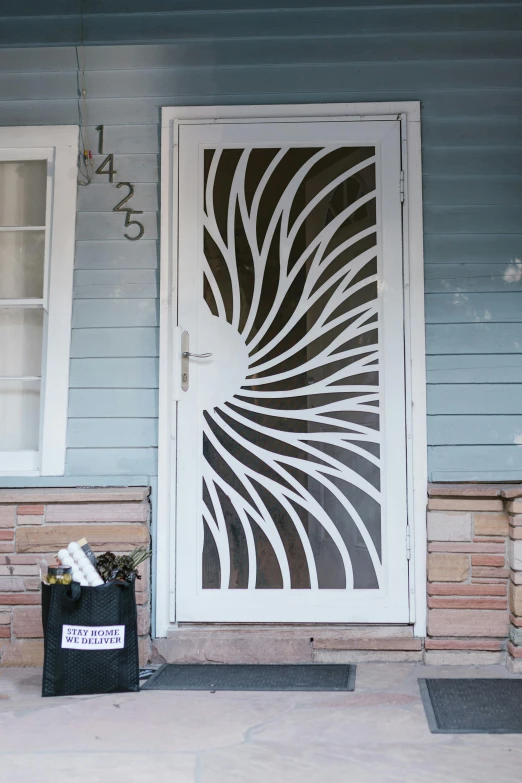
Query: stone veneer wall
36 523
474 574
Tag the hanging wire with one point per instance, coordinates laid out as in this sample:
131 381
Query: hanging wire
85 164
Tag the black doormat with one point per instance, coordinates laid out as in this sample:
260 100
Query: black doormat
472 706
258 677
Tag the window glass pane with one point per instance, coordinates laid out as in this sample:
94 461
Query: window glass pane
22 192
21 264
20 415
20 341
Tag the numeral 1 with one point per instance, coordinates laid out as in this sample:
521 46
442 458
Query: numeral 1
99 128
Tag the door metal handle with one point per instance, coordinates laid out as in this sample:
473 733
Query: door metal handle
185 363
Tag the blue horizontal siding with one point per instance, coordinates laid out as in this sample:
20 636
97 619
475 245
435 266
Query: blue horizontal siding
228 80
113 403
132 373
472 463
475 430
118 312
488 399
475 368
462 61
114 342
476 338
115 433
146 26
106 460
117 254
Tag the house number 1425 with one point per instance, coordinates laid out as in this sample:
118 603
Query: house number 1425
107 167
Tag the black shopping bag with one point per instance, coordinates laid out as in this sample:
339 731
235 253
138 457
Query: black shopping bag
90 639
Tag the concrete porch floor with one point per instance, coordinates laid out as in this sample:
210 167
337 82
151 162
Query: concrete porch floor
378 734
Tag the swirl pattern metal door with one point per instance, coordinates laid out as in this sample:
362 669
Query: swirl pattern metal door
291 453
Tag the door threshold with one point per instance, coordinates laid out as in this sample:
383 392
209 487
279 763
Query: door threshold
288 643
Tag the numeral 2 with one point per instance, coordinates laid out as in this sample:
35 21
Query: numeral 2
130 194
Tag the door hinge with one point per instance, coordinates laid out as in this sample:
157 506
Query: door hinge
408 543
401 185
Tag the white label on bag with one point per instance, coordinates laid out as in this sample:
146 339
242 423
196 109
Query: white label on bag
93 637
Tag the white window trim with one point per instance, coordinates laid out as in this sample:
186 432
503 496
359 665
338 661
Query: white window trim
414 326
59 145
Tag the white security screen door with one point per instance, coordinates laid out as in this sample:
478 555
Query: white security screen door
291 460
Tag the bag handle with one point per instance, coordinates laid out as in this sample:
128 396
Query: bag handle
72 595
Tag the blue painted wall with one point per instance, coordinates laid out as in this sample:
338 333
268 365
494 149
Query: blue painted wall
461 60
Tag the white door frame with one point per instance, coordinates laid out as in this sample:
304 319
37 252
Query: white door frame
409 113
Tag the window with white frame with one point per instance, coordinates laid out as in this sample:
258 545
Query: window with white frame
37 221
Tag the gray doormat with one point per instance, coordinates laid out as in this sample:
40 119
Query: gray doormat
243 677
472 706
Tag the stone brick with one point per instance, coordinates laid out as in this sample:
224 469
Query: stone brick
448 526
489 540
367 644
5 618
30 510
143 621
32 583
514 665
143 583
98 512
511 491
496 561
5 632
515 599
23 652
489 645
480 580
30 519
19 559
11 584
515 634
515 533
145 650
514 506
142 598
462 658
195 646
516 577
468 622
6 535
476 549
460 589
74 495
448 568
49 538
464 490
27 622
493 524
467 603
515 520
19 599
515 555
516 652
516 621
366 656
464 504
18 570
7 546
485 571
7 516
